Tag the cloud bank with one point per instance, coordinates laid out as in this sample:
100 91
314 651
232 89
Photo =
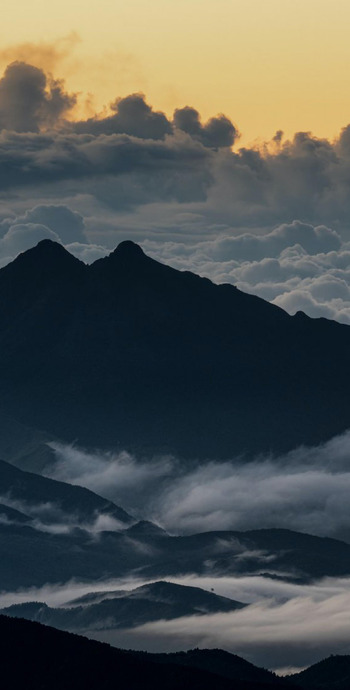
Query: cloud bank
296 633
305 490
284 626
272 219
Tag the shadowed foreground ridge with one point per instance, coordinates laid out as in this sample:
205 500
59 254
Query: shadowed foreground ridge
333 672
51 660
134 354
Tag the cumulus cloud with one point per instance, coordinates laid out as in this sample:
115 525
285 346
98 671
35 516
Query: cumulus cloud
54 222
22 236
130 115
217 132
297 266
272 220
29 100
134 116
305 490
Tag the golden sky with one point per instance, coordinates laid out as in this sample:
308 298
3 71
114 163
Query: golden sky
267 64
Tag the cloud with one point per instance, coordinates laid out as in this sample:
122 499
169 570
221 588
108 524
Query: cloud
296 266
29 101
305 490
285 625
22 236
69 226
296 633
54 222
45 55
134 116
249 247
217 132
50 517
111 474
272 220
130 115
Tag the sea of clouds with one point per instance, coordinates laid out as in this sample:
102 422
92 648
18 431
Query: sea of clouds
272 219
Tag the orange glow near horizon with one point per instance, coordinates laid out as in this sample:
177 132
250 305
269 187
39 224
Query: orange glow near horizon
266 64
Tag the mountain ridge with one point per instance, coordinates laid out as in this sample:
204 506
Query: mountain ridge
131 353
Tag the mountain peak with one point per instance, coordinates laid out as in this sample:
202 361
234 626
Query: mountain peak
48 258
128 250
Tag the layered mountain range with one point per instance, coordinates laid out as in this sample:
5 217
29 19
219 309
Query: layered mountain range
66 532
129 353
52 659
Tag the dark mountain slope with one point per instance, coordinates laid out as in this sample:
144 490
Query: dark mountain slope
222 663
330 674
55 501
131 353
30 557
34 656
24 447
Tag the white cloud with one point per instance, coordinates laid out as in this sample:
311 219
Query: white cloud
305 490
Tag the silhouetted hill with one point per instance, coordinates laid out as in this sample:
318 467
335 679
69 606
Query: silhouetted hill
222 663
34 656
32 557
126 609
330 674
130 353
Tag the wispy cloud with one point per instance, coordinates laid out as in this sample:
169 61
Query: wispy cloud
305 490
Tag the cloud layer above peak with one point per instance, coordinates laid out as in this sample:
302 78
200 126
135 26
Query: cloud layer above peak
273 220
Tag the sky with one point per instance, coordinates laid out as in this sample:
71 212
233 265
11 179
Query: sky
267 65
216 135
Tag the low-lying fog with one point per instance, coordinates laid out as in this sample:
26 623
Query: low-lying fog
307 489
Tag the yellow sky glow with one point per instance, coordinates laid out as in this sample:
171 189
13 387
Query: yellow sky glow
267 64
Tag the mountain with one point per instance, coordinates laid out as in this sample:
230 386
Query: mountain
222 663
35 656
59 555
57 503
126 609
275 553
23 446
129 353
330 674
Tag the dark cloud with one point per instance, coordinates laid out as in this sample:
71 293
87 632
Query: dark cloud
273 220
131 115
119 170
29 100
217 132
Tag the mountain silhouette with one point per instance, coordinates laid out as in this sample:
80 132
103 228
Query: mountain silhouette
35 656
61 555
332 673
55 501
130 353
